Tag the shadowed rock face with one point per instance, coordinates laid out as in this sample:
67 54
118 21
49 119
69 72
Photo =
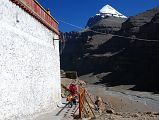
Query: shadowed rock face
93 20
133 24
151 29
127 61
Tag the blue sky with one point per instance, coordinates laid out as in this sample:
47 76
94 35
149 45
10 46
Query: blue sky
78 11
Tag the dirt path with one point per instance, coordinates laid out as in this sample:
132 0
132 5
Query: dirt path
63 112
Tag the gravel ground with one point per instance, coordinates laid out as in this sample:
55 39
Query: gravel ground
126 105
129 116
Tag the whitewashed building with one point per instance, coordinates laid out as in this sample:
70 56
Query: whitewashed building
29 60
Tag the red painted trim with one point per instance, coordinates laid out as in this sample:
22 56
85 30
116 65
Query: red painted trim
35 10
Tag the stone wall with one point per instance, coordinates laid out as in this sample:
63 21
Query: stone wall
29 65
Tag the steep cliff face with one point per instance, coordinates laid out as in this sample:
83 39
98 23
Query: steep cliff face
113 60
71 50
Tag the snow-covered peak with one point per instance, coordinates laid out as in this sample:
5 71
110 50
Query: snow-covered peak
107 10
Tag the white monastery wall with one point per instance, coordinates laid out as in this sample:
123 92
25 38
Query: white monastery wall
29 65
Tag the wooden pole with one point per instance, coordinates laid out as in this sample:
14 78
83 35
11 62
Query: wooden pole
92 101
90 107
81 100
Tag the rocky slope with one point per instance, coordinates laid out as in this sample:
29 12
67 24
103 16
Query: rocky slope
109 24
133 24
113 60
150 30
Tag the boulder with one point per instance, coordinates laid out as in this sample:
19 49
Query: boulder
110 111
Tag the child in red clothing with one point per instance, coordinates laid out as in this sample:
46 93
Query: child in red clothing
73 89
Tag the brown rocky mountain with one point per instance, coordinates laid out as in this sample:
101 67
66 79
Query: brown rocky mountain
114 60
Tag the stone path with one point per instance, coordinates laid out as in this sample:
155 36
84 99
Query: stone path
63 112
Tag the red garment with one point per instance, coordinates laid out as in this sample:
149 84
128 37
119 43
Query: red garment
73 89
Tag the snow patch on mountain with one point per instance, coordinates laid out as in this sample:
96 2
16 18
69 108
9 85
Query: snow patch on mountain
107 10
